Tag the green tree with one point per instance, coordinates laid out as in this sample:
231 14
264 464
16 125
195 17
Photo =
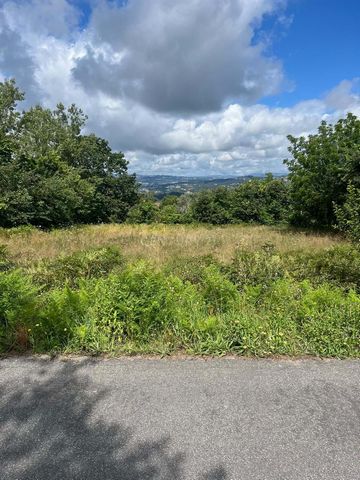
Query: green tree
320 169
348 215
212 206
51 174
145 211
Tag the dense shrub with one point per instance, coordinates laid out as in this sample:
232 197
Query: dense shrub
5 262
348 215
339 265
263 201
191 269
82 265
194 306
256 268
17 309
145 211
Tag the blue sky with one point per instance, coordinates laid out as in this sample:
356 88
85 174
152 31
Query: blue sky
191 87
320 48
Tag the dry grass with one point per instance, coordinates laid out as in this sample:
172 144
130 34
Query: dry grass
159 243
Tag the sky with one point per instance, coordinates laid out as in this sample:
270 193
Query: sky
189 87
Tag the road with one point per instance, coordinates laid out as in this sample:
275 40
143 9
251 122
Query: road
215 419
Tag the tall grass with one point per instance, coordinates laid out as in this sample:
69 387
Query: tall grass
203 290
159 243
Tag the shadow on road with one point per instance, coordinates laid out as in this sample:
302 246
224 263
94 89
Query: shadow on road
50 429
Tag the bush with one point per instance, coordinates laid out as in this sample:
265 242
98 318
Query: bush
288 318
71 269
191 269
135 306
339 266
143 212
256 268
5 262
17 309
348 215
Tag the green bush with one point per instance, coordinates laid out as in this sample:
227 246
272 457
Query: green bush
191 269
17 309
5 262
348 215
339 266
288 318
136 305
206 273
256 268
195 307
82 265
145 211
218 292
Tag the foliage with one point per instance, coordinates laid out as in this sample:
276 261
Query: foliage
82 265
212 206
257 267
198 306
5 262
321 167
258 200
348 215
17 309
144 211
51 174
339 266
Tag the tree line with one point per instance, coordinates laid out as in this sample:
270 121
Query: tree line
51 175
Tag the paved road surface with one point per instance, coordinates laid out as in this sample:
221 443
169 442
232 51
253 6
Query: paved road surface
138 419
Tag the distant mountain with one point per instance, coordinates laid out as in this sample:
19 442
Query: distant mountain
161 185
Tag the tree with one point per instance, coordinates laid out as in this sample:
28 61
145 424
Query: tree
320 169
51 174
348 215
212 206
145 211
10 95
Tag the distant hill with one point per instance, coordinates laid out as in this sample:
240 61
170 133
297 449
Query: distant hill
161 185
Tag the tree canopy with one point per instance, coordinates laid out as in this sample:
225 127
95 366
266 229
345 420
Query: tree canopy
321 167
53 175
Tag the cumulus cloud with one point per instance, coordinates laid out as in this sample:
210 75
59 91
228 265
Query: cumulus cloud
344 95
15 56
148 75
179 57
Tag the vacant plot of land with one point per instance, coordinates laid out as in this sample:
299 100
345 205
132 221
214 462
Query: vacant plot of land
159 243
250 290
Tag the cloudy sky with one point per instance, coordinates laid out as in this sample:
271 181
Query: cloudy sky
189 87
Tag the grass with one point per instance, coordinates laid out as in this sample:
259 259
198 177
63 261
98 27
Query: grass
159 243
249 290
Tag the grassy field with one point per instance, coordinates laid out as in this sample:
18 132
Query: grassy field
248 290
160 243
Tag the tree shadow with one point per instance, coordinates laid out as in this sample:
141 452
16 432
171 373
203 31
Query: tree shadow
50 428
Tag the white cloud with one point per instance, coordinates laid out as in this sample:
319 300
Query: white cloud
48 55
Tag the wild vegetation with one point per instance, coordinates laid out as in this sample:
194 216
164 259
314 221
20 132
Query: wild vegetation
162 289
267 267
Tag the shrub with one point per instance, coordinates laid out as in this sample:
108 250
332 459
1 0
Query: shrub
144 300
348 215
339 265
5 262
256 268
191 269
17 309
62 312
71 269
137 305
218 292
143 212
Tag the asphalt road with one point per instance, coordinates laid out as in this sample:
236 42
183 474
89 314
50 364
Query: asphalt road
138 419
